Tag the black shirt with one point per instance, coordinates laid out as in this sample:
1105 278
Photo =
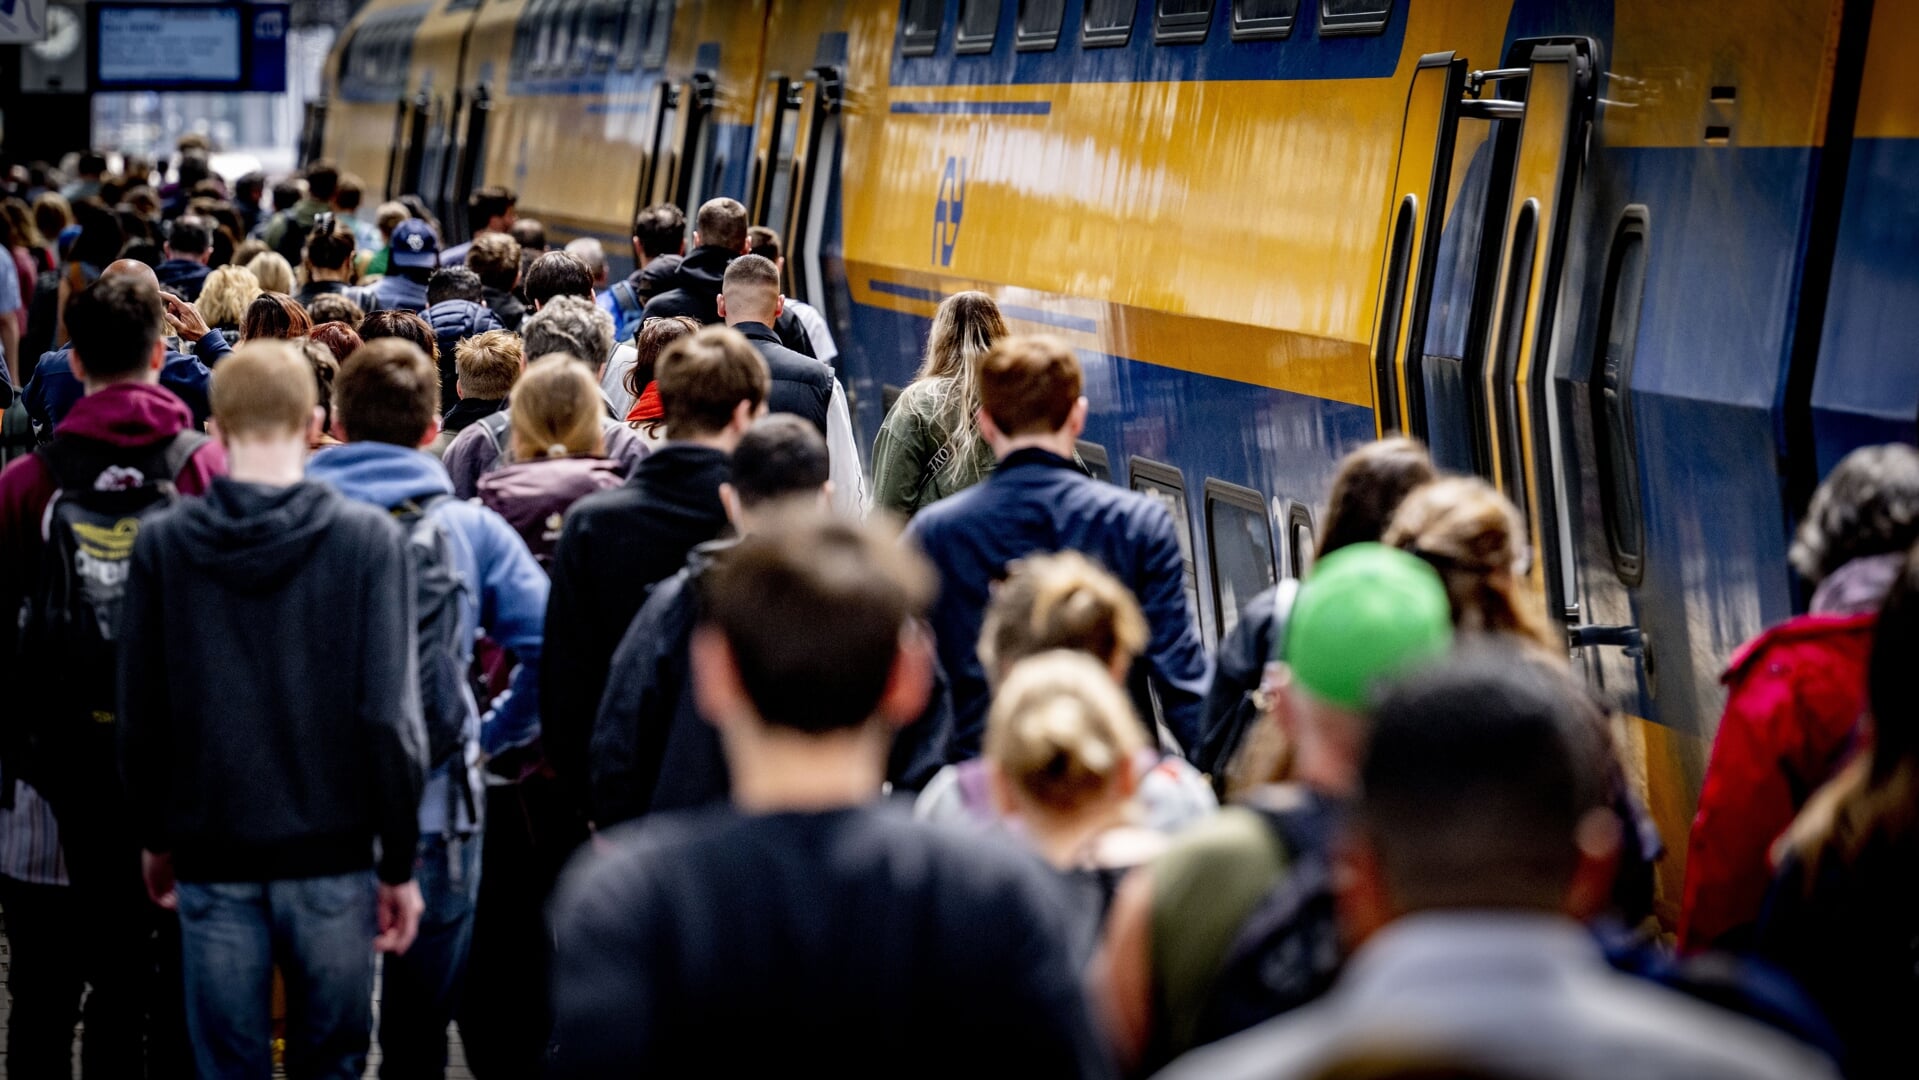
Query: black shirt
855 942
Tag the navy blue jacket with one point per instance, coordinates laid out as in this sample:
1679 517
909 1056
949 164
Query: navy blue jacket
52 389
1036 502
396 293
182 277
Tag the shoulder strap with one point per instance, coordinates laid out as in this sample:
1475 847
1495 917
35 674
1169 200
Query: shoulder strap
494 426
628 300
181 449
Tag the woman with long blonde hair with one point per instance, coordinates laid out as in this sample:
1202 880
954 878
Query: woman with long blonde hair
930 445
224 299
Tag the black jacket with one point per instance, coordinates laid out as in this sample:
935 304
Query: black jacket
653 751
1230 712
269 717
802 385
694 290
313 290
183 278
613 548
509 309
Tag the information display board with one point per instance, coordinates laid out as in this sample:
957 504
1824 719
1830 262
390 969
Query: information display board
188 46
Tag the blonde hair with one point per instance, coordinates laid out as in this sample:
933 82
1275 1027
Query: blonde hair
1061 730
1474 537
1060 601
273 271
488 364
264 388
556 410
965 328
227 294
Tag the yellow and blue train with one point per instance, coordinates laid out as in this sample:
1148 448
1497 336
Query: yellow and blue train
1651 267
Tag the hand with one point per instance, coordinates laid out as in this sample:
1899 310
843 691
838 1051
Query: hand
158 870
399 908
183 318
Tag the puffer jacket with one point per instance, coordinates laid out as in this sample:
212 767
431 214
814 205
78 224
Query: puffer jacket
454 321
1795 695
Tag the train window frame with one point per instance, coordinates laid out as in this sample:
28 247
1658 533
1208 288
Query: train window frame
1041 40
1098 463
1184 27
1337 24
659 36
974 44
608 34
1299 520
1219 493
1615 437
637 24
1163 480
1263 27
1109 36
916 39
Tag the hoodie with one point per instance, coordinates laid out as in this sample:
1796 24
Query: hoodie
505 598
694 290
269 701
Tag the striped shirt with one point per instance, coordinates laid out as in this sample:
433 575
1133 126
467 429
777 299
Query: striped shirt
30 840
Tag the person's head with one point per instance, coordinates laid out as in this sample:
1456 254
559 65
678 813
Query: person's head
809 641
1029 389
1061 600
275 315
26 231
92 166
323 181
491 209
557 274
273 271
750 292
765 243
250 187
387 217
780 461
1869 505
713 384
415 250
326 368
335 307
1061 739
351 192
655 336
489 364
966 327
1482 788
193 168
1369 614
249 250
338 338
496 258
1371 483
417 207
556 411
405 325
1476 539
591 255
530 233
388 391
191 238
571 325
659 230
101 236
721 224
287 192
117 327
226 295
329 245
453 283
264 397
51 214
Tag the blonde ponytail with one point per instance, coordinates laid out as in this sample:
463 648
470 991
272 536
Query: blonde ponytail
1061 731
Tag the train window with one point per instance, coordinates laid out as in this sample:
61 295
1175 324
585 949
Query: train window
633 35
778 200
1039 23
1163 482
1239 549
1182 22
920 26
1611 396
606 19
1092 456
1108 23
579 17
658 34
1353 16
1301 547
1263 19
978 25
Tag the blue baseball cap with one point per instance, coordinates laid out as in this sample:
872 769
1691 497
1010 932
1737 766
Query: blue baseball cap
414 245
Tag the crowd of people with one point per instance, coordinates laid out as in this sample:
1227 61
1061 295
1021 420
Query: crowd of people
534 644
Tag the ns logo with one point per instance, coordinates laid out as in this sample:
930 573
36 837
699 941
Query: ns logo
947 210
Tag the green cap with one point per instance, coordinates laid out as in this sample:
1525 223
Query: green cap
1367 613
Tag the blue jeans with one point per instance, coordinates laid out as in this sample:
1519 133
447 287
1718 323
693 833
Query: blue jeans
320 930
420 990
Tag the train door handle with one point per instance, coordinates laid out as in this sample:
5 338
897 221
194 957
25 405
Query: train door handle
1630 638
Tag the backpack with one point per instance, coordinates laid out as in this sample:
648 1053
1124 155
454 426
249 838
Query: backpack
68 620
1288 951
439 592
288 237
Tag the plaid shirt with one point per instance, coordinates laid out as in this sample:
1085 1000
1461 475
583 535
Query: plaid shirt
30 840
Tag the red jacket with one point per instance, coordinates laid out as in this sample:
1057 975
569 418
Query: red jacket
1795 697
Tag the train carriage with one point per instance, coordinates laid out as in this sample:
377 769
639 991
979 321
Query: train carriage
1646 266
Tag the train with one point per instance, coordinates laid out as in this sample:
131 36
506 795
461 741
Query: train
1650 268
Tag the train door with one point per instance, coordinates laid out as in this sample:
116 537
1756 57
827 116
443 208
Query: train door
797 136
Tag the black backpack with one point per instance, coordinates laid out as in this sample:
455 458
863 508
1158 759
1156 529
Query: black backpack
68 621
439 592
1288 951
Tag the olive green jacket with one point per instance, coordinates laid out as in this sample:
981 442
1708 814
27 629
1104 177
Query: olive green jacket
911 455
